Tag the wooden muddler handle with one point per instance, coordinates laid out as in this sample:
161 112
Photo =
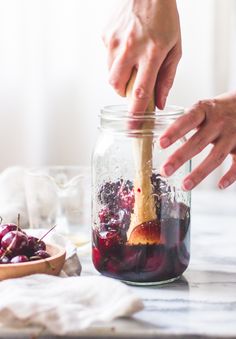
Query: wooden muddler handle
144 206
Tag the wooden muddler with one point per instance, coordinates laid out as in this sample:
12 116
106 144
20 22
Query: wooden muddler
144 206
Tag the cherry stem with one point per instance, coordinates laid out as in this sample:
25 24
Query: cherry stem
8 249
1 219
47 233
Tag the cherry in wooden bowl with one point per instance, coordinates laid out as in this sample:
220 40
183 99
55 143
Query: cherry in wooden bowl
51 265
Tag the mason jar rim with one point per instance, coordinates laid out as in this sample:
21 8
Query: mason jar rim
121 111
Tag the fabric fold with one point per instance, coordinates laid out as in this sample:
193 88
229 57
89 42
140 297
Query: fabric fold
65 305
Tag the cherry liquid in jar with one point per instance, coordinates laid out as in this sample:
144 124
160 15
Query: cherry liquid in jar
141 220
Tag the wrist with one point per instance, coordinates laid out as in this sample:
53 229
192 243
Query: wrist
149 9
227 101
137 4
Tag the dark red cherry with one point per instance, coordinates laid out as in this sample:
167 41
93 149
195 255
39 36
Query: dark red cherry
109 241
108 193
126 200
2 252
113 224
126 196
42 254
97 258
34 245
5 228
15 242
113 266
104 215
114 220
19 259
133 258
156 259
41 245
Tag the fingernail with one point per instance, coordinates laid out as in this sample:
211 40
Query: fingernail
224 184
188 184
164 142
168 170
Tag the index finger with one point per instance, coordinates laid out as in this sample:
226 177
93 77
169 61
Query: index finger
189 121
144 83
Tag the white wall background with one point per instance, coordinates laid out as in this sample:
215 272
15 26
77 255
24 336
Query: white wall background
53 76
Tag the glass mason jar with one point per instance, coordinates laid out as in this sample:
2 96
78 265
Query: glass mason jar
141 220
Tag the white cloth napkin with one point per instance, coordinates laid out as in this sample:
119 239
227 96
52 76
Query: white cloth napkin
64 305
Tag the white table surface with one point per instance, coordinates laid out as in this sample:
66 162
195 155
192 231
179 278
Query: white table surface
202 304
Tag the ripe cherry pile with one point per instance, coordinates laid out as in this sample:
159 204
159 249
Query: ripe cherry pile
18 247
118 201
164 256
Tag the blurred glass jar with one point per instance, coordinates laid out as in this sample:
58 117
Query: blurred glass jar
60 195
141 221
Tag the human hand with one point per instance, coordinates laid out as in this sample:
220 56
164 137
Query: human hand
144 35
215 123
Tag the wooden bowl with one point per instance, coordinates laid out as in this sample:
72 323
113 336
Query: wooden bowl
51 265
